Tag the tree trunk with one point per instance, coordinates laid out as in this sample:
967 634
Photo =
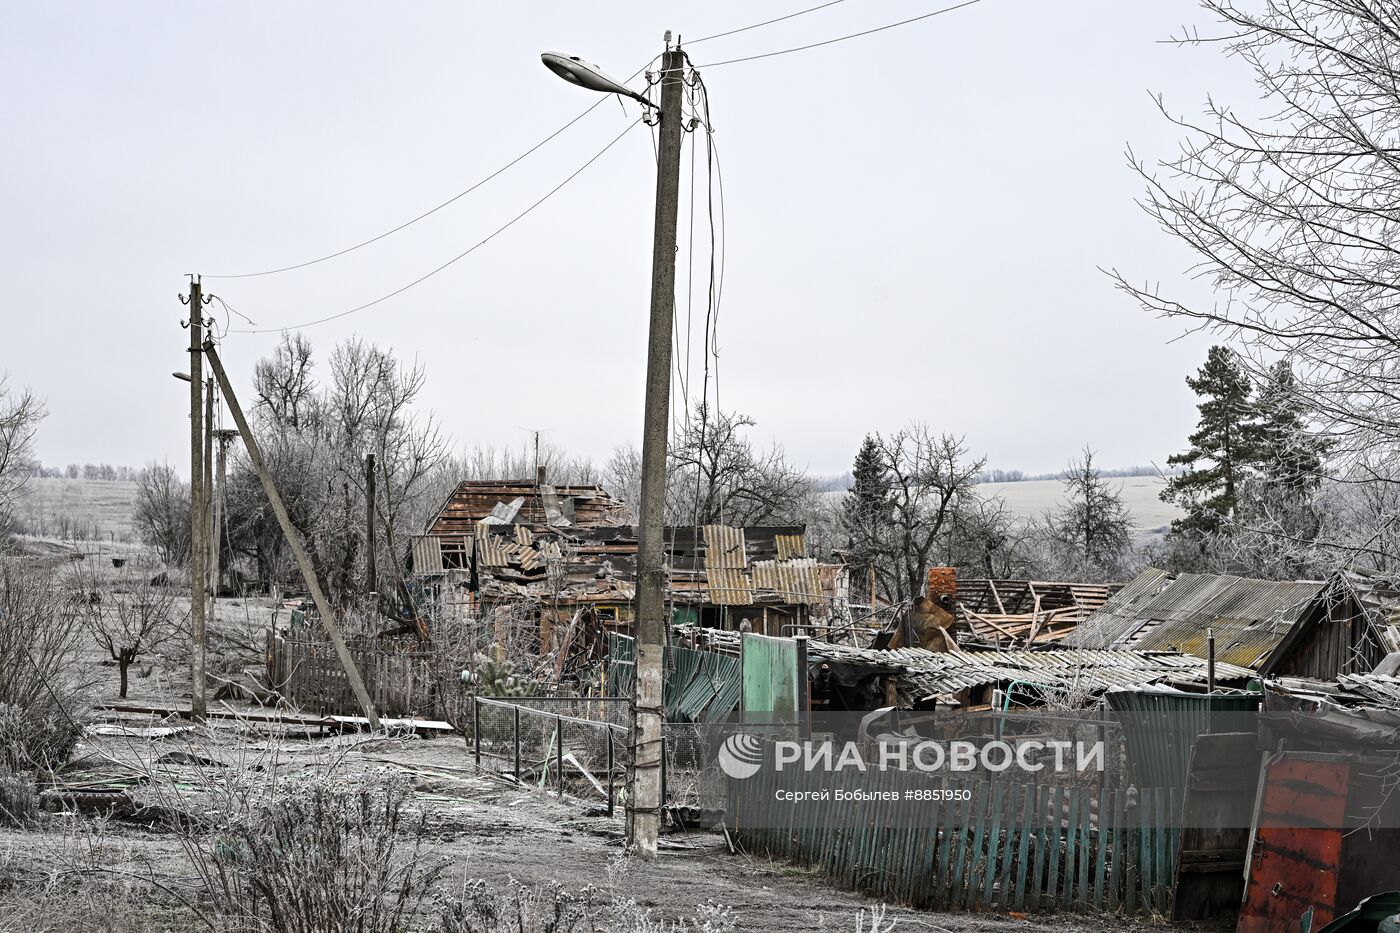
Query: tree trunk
122 665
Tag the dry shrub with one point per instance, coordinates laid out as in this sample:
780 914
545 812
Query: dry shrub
39 637
19 801
552 909
322 859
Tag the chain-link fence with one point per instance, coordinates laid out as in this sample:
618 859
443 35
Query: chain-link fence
540 742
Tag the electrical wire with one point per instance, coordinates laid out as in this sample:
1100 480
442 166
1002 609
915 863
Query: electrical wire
460 256
433 210
767 22
854 35
428 213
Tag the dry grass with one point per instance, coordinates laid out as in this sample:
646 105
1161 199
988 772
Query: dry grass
78 509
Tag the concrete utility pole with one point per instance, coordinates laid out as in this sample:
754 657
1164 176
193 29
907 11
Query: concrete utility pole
371 582
199 543
308 573
208 488
644 803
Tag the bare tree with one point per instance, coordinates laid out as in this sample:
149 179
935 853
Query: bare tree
1295 217
162 512
20 413
715 475
315 437
928 479
1091 534
129 620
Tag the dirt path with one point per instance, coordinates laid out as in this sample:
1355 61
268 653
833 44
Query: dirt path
481 827
497 832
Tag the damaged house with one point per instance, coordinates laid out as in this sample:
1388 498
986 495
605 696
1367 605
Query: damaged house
570 553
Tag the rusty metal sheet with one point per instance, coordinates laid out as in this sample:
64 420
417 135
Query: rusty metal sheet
724 548
729 586
1297 845
793 581
790 546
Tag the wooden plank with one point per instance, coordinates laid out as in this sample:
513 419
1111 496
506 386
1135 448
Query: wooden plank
1002 892
1023 847
1042 806
989 872
1071 835
978 864
1052 876
946 834
1101 850
1086 851
959 877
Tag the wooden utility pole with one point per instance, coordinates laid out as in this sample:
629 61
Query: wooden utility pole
645 803
199 539
371 583
225 437
308 573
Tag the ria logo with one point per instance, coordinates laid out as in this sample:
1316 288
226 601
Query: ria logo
741 755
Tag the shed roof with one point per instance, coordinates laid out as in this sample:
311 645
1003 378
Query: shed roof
1156 612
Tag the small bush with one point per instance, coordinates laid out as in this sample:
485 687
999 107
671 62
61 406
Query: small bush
321 859
19 800
552 909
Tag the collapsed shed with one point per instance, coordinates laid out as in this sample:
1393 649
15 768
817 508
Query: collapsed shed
1320 629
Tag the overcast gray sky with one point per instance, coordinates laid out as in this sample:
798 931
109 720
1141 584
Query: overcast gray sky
915 218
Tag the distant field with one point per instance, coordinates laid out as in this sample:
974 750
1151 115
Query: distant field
78 508
1035 497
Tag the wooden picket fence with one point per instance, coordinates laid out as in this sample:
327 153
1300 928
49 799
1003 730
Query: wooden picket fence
308 674
1008 846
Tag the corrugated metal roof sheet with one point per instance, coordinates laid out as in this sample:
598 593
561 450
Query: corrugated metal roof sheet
1158 613
724 547
796 581
790 546
427 554
728 586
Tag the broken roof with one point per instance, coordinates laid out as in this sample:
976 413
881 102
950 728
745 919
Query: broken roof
1156 612
528 503
923 673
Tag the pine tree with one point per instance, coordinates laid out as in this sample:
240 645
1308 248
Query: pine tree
866 510
1225 441
1289 454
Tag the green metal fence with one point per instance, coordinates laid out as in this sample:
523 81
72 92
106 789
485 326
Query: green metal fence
698 687
1009 846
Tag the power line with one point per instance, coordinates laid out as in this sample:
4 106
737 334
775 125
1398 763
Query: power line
854 35
433 210
767 22
428 213
460 256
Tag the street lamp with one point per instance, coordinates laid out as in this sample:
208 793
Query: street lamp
585 74
644 803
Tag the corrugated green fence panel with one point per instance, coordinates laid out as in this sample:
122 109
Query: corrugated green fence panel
770 676
1161 726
